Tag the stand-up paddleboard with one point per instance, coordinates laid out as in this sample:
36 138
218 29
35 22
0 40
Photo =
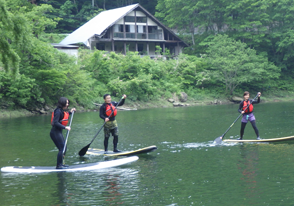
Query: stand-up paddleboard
261 140
93 151
73 168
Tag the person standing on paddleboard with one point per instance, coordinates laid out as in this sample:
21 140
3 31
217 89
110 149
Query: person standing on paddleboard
110 126
248 115
59 121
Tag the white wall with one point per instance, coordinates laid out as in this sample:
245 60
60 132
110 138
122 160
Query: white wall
140 13
150 22
71 52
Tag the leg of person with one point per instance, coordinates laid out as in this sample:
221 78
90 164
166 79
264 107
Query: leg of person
253 123
243 125
106 137
58 140
115 139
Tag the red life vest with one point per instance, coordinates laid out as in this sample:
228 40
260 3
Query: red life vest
109 109
64 121
249 109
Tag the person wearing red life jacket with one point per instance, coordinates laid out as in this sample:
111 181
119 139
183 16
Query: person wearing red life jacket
59 120
110 126
248 114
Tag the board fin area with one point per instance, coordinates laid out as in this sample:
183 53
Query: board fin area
261 140
93 151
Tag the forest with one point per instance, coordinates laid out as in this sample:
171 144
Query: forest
233 46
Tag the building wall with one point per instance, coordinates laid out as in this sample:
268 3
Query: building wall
71 52
153 35
131 29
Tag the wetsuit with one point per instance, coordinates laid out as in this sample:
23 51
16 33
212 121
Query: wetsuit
56 134
248 116
110 127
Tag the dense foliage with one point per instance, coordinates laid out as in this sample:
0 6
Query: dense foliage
235 46
264 25
74 13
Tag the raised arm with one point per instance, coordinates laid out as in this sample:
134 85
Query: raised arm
256 101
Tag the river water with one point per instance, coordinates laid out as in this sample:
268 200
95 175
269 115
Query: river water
186 169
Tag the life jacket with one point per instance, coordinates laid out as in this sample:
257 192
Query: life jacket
64 121
109 109
249 109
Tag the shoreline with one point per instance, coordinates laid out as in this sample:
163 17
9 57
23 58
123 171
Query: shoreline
162 103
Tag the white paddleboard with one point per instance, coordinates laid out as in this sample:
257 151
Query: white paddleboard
73 168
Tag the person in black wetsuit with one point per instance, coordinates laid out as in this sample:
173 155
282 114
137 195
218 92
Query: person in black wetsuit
110 126
57 127
248 114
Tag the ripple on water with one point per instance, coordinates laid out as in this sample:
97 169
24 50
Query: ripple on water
196 145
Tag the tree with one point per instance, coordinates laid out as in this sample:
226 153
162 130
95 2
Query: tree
233 63
11 30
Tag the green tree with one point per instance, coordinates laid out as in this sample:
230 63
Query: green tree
11 30
233 63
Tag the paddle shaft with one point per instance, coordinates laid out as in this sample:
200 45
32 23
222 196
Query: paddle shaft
105 122
67 133
238 118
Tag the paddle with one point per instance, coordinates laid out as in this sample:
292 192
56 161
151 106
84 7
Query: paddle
67 133
220 139
84 150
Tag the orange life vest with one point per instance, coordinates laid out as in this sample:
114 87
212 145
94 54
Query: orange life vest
249 109
109 109
64 121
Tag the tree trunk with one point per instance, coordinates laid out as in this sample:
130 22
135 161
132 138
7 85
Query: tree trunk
192 33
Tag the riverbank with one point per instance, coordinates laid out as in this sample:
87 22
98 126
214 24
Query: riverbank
129 105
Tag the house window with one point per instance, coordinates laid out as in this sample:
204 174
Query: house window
130 31
100 46
141 29
154 32
130 28
142 19
152 29
118 28
140 47
118 31
129 19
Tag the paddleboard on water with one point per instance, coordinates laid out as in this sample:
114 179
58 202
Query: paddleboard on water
73 168
261 140
93 151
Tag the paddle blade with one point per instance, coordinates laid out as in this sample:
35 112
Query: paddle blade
218 140
83 151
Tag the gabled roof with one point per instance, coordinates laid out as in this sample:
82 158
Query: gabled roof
103 21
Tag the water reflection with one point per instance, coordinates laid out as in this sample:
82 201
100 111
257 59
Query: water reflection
248 165
112 193
107 187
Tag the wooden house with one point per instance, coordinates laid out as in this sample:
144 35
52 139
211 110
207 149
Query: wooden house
129 28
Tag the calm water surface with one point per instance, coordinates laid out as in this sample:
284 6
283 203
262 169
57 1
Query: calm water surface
187 169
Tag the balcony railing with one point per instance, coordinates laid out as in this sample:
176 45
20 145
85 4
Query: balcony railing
155 36
118 34
131 35
139 35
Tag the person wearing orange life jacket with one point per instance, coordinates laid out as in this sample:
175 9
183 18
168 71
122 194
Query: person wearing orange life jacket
110 126
248 115
59 120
